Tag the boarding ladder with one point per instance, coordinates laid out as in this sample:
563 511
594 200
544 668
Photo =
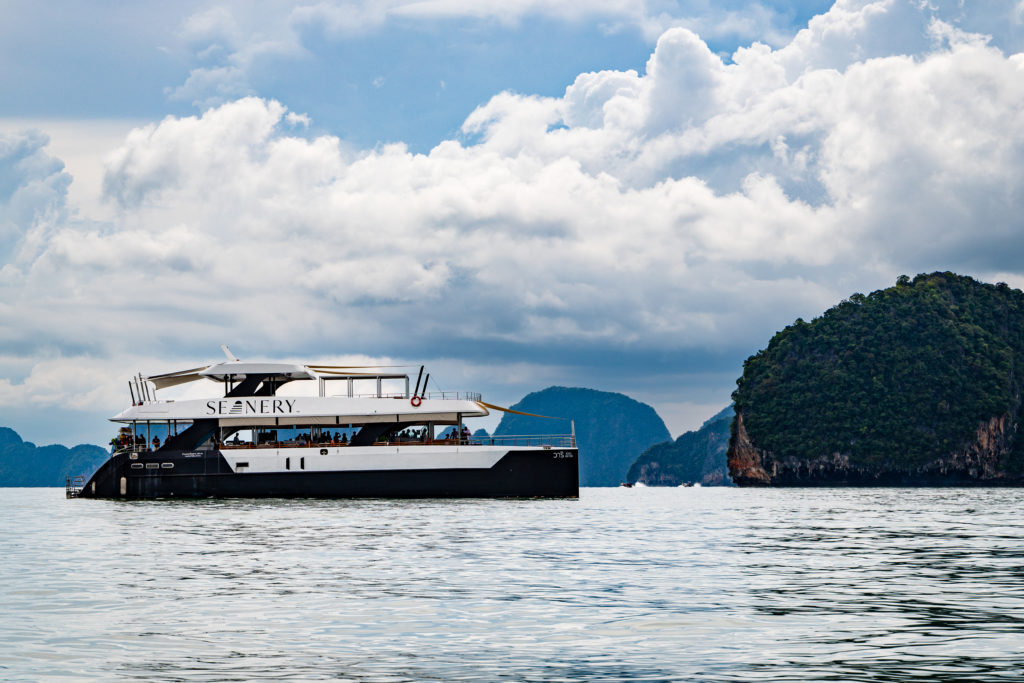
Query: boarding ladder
73 486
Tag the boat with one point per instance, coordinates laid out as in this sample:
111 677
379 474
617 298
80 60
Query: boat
252 441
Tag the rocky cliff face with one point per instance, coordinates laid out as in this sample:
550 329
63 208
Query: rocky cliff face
746 461
979 464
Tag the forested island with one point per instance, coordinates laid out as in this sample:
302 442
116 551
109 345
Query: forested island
697 457
916 384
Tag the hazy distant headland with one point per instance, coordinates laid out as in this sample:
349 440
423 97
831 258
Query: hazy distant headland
22 463
612 429
697 457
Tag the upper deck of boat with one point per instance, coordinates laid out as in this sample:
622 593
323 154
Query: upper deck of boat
251 397
251 413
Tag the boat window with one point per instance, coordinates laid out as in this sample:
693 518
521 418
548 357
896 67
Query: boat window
302 463
166 465
152 465
178 426
287 463
137 465
241 437
241 464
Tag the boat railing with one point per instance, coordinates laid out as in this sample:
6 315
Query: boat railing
434 395
455 395
127 450
554 440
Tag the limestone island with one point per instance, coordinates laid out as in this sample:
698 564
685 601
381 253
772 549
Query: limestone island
919 384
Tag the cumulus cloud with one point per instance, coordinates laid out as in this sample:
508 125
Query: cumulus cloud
33 189
64 382
694 207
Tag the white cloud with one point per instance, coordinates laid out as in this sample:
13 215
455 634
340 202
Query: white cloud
33 186
81 146
64 382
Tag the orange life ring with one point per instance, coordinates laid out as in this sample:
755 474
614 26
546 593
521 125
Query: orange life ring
416 401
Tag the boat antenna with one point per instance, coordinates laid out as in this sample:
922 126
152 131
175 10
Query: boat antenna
424 394
132 392
227 352
416 391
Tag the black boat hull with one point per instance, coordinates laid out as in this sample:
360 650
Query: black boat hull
531 473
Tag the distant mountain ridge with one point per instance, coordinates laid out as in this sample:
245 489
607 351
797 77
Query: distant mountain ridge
697 457
611 429
22 463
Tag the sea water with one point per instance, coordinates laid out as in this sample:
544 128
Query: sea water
712 584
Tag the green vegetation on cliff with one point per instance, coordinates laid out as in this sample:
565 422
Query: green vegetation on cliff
22 463
611 429
898 378
697 457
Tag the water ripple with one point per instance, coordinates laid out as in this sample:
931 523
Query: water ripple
640 584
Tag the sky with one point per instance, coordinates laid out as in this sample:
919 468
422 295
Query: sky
627 196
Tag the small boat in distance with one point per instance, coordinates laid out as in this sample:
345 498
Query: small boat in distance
251 441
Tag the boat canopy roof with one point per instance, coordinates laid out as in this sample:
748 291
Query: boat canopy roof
233 370
236 370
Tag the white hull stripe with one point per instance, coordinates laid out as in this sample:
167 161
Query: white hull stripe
355 459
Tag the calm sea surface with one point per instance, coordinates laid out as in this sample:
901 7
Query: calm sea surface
623 584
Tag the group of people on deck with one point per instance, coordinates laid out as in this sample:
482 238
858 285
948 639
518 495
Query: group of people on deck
324 438
125 440
416 435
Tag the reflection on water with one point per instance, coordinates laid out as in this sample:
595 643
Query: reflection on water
623 584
